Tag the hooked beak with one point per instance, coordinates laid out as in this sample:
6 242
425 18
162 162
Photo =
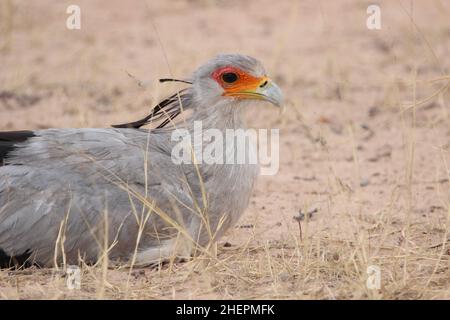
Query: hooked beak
266 90
270 92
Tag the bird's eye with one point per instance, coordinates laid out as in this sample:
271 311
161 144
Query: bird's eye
229 77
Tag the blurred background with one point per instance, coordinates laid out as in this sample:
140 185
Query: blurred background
365 134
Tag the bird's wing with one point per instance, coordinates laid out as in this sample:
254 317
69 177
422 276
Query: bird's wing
80 175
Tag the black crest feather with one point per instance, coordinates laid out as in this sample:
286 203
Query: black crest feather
168 109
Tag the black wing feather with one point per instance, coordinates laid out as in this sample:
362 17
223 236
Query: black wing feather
9 141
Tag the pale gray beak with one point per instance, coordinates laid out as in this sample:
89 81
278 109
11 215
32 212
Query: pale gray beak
270 92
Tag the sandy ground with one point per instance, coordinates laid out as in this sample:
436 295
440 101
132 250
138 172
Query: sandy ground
364 138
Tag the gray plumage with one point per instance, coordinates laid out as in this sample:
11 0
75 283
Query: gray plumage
59 187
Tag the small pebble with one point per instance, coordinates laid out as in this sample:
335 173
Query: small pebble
364 182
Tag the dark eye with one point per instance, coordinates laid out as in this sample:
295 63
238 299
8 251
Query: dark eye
229 77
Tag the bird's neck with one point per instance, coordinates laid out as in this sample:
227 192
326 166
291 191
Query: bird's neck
220 116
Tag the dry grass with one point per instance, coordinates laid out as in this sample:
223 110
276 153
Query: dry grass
364 138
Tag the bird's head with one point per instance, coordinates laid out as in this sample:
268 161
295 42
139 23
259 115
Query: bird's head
234 78
224 80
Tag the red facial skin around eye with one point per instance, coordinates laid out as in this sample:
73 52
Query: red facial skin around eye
217 74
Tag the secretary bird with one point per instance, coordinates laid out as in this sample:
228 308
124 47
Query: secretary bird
72 195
